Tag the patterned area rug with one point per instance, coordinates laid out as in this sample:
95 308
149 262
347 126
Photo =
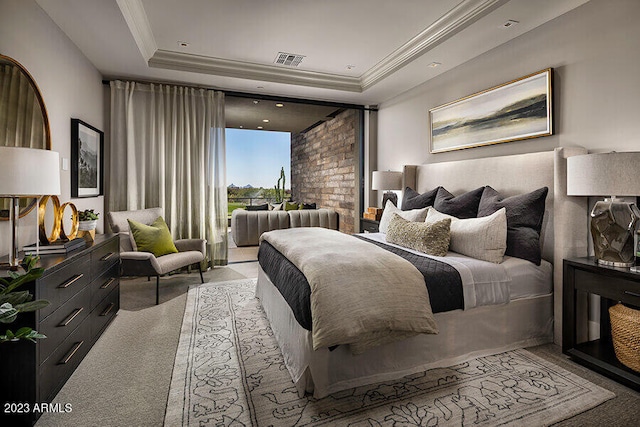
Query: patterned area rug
229 372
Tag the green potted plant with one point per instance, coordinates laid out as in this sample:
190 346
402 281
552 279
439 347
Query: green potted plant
87 220
14 302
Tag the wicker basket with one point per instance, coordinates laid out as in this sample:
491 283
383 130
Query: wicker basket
625 331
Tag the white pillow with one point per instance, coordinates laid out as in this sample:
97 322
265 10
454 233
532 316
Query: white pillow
481 238
415 215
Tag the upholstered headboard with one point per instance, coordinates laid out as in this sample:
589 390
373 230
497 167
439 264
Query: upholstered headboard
564 230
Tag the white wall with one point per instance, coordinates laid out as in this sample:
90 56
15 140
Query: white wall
595 54
71 87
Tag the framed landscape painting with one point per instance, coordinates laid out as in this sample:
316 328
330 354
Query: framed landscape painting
517 110
87 149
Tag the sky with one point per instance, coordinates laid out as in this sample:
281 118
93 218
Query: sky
255 157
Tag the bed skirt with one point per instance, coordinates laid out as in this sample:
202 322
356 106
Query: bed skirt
464 335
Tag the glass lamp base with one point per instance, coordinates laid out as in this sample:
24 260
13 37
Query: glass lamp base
613 224
389 195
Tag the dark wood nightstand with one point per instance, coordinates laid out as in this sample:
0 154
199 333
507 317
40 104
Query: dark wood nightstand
369 225
583 276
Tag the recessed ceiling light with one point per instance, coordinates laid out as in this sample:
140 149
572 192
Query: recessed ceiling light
510 23
265 120
260 127
279 105
255 101
183 44
241 127
434 64
259 87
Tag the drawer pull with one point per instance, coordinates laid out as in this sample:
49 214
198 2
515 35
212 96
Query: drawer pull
72 316
71 353
107 256
107 310
633 294
71 281
108 283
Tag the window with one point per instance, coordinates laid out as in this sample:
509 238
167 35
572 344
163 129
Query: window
255 160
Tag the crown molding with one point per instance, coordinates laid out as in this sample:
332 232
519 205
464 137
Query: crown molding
138 23
458 18
247 70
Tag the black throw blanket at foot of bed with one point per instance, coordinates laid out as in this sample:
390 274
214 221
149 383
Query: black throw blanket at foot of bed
443 281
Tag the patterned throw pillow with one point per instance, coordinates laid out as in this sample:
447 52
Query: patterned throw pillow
432 239
154 238
416 215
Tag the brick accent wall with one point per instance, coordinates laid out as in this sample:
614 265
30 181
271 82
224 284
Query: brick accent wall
323 167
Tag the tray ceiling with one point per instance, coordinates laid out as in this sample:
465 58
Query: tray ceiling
357 51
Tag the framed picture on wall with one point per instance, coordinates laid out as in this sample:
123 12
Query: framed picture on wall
516 110
87 150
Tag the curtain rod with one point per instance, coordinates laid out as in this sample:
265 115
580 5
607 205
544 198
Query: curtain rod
261 97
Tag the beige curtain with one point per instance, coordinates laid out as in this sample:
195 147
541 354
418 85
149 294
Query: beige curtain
167 149
21 122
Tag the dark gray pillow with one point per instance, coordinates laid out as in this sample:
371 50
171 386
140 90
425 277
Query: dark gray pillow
462 206
262 207
525 213
411 199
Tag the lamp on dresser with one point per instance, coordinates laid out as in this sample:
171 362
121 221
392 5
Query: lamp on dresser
26 172
613 220
387 181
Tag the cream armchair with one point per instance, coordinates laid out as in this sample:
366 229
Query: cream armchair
134 263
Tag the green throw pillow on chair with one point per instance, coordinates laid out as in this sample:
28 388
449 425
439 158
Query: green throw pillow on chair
154 238
289 206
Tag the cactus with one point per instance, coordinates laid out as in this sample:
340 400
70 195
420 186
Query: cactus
280 192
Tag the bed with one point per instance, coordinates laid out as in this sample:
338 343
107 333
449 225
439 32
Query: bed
526 320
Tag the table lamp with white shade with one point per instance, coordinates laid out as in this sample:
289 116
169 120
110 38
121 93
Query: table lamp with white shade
613 221
387 181
26 172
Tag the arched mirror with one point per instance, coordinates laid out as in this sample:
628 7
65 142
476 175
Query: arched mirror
23 119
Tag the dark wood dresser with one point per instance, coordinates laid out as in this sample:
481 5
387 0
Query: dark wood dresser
84 293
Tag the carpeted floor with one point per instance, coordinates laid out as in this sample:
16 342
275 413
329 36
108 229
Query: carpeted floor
124 380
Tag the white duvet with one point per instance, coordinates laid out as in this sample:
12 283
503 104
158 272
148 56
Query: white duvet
361 294
483 283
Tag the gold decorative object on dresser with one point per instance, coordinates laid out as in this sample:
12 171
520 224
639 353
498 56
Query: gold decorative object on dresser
57 229
83 289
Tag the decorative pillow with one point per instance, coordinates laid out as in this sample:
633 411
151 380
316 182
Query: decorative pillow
154 238
416 215
432 239
480 238
290 206
411 199
262 207
307 206
462 206
525 213
277 207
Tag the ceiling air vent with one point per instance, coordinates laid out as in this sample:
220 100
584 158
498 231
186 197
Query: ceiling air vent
288 59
